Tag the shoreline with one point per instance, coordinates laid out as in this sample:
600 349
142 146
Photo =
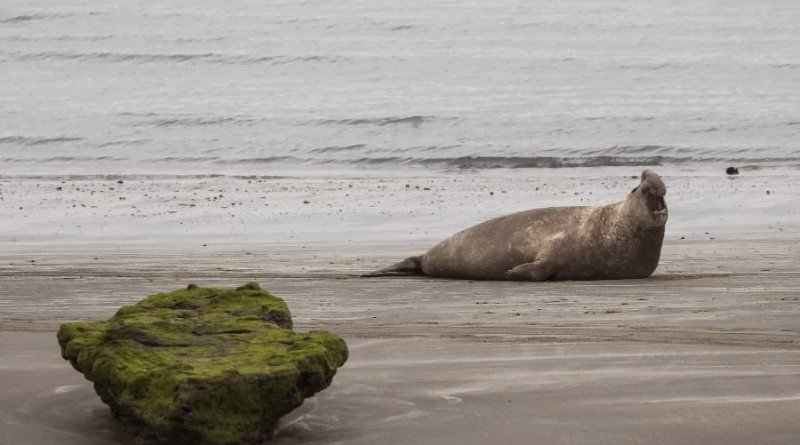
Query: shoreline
39 214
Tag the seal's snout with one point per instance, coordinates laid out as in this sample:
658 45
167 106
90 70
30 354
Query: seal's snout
653 190
656 205
653 184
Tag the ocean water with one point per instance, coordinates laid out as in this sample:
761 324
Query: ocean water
176 87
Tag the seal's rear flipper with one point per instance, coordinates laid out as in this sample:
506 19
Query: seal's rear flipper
409 266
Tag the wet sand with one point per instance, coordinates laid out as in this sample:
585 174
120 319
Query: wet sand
66 213
705 351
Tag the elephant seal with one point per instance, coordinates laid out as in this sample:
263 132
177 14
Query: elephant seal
617 241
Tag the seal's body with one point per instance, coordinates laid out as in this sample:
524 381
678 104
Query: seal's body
621 240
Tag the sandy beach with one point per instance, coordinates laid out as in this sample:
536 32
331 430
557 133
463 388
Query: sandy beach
705 351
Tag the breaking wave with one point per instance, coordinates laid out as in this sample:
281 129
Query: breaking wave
141 58
459 163
30 17
199 122
31 141
383 121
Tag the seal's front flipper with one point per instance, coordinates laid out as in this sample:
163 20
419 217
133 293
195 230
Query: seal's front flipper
535 271
409 266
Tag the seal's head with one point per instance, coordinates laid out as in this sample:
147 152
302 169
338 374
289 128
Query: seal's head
648 205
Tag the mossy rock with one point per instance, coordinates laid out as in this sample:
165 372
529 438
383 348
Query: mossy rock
203 365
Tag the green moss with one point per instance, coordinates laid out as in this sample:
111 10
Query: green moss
203 365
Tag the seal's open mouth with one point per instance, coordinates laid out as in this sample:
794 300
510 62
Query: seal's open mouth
656 205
